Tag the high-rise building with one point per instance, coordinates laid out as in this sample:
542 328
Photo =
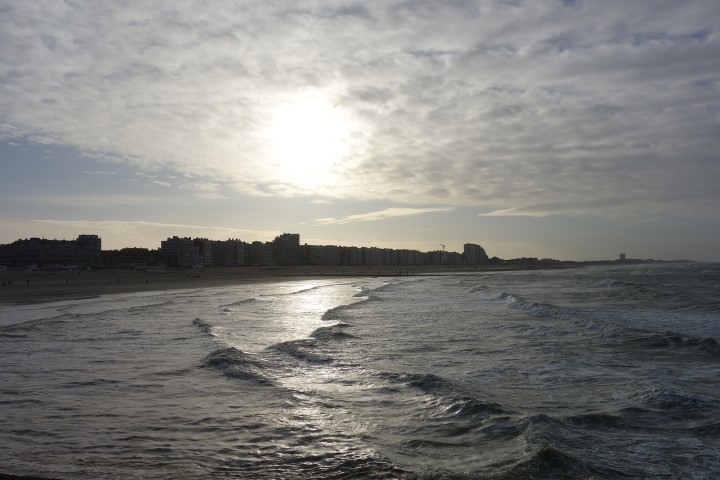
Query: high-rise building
82 252
474 254
286 249
261 253
229 253
93 244
201 253
178 251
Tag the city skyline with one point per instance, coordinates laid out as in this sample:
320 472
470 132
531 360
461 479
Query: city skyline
246 252
185 252
573 130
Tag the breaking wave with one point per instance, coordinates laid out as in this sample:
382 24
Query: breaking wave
478 288
305 350
206 327
237 364
334 332
550 462
534 309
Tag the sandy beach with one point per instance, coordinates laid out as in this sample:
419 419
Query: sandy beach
22 286
40 286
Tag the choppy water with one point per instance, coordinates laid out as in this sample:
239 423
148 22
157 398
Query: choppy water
607 372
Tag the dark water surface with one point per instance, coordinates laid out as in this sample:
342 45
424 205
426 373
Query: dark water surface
606 372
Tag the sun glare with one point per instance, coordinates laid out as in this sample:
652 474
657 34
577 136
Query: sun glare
308 140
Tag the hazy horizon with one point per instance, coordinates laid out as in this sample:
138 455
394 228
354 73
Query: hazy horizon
572 129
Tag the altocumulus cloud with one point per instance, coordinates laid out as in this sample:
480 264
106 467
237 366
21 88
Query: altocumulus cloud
523 106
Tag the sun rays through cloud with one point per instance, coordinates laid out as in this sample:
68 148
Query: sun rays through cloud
309 142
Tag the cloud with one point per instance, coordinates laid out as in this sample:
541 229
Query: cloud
491 104
568 208
201 186
380 215
105 200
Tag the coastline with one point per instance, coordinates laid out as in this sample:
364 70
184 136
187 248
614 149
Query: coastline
23 287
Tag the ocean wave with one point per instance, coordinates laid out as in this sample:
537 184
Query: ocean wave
309 289
13 335
673 341
499 428
595 320
608 283
477 288
206 327
427 382
305 350
237 364
334 332
667 399
39 324
141 308
534 309
295 462
418 443
92 383
335 313
390 286
709 430
470 407
452 400
94 309
239 302
597 421
551 462
362 293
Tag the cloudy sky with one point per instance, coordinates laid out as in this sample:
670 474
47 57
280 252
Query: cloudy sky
575 129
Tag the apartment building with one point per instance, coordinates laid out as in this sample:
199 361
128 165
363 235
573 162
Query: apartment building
82 252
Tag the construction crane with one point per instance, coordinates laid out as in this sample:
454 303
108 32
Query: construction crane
442 246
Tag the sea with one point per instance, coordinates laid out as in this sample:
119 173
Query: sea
605 372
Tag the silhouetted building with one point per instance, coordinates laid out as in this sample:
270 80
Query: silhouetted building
132 258
93 244
178 251
350 256
229 253
323 254
371 255
261 253
474 254
201 253
286 249
43 253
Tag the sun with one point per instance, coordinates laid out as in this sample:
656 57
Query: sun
309 139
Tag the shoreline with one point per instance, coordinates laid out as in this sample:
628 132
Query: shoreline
18 287
28 287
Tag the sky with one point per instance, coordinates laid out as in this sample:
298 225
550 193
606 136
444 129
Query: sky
574 129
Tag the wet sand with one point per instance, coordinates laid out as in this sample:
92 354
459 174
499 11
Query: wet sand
41 286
